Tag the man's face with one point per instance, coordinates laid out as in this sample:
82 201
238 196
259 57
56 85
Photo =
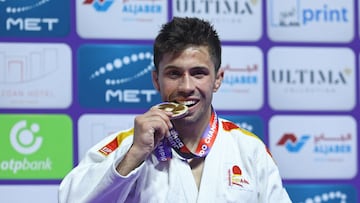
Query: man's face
189 78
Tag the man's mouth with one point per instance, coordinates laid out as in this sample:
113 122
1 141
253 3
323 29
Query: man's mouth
188 103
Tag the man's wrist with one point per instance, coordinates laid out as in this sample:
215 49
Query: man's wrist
132 159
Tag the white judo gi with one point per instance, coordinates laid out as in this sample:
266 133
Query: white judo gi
237 169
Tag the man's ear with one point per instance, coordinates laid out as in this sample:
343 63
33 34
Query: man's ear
155 80
218 79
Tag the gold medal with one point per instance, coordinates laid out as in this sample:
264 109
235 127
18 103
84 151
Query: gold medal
178 110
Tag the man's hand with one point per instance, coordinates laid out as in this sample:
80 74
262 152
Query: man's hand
149 129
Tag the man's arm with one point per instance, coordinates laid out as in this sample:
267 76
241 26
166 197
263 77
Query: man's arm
95 177
108 177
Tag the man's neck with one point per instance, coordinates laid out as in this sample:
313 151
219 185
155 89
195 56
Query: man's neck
191 134
191 138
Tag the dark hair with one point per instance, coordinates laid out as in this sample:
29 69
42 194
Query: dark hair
177 34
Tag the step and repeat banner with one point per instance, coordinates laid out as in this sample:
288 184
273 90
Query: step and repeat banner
72 72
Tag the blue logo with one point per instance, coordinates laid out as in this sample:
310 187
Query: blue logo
334 193
292 143
116 76
34 18
131 7
241 76
253 124
100 5
291 13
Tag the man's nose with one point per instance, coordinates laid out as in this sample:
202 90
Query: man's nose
186 83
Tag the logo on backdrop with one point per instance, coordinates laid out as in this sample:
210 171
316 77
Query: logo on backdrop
29 75
23 138
240 78
116 76
324 144
143 17
100 5
226 15
128 7
300 20
311 78
220 9
33 138
292 143
295 13
242 85
321 143
34 18
321 193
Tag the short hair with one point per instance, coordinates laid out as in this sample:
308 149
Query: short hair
182 32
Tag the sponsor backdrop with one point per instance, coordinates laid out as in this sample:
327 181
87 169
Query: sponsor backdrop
72 72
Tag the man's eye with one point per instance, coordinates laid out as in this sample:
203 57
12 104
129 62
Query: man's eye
173 74
199 73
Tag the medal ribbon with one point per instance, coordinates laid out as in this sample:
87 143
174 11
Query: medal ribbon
163 150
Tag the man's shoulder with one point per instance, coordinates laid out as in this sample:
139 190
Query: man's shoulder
241 138
235 130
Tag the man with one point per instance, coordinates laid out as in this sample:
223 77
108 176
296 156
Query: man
192 157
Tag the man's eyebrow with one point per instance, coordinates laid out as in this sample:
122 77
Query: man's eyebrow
199 67
171 67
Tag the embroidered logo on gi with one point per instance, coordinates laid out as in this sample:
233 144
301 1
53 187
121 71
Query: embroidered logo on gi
236 178
116 142
110 147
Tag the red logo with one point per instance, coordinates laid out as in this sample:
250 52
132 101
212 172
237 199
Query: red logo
236 177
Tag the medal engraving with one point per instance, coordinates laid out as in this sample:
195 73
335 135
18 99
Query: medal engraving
178 110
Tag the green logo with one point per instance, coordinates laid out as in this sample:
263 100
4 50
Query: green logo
35 146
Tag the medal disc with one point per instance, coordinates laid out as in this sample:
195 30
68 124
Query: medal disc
178 110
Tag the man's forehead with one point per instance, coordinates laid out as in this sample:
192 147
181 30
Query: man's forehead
189 51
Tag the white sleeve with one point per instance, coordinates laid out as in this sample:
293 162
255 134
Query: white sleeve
272 189
95 178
